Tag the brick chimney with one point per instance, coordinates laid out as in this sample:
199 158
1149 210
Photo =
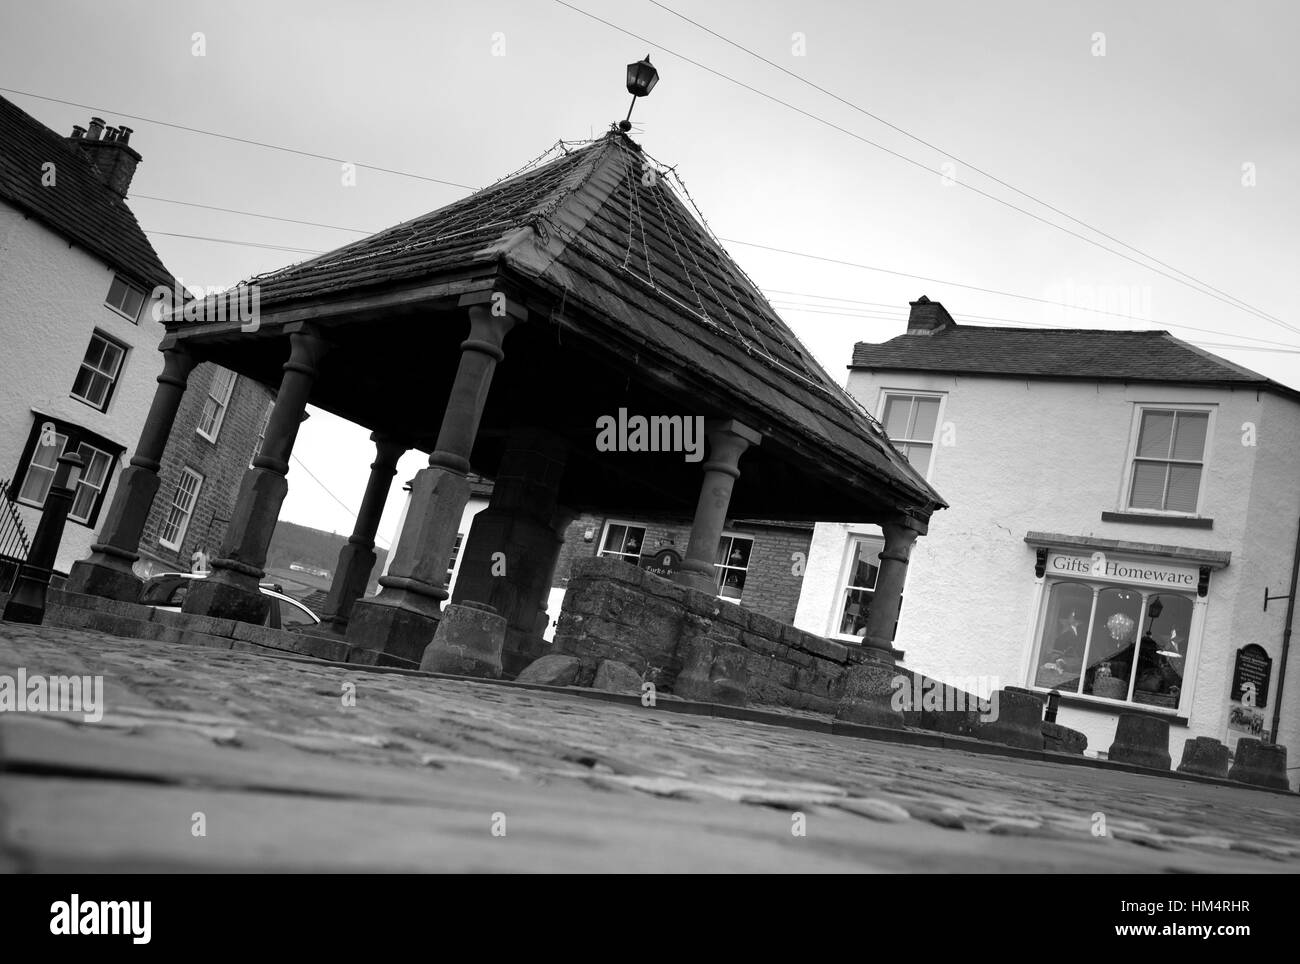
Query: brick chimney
109 152
928 317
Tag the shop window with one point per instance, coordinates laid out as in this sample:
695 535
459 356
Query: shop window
215 405
125 298
733 565
1168 461
98 373
1114 643
910 422
181 509
624 541
859 586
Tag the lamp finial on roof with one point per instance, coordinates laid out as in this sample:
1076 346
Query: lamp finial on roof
641 79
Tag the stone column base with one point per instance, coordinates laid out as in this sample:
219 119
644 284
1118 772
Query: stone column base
105 578
869 695
227 595
1262 764
467 642
387 626
1018 721
1205 756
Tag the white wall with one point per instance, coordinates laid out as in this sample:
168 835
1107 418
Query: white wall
1051 457
51 300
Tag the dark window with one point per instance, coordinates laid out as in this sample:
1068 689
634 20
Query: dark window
125 298
98 373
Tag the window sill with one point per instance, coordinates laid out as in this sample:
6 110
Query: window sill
204 435
1143 518
1084 701
87 402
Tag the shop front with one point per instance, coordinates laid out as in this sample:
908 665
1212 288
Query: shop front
1119 627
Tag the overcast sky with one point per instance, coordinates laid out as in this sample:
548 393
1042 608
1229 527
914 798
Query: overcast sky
1156 143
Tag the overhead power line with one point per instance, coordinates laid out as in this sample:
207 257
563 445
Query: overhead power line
948 154
238 140
1203 289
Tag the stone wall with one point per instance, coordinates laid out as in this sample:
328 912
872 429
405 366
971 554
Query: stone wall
772 584
620 612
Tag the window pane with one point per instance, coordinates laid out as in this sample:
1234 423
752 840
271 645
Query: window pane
731 583
84 503
1161 661
98 389
1154 438
95 352
81 385
46 456
1065 631
116 292
614 538
37 484
1148 485
927 414
857 605
919 457
96 466
112 360
132 301
1113 639
897 412
1184 486
1189 437
866 565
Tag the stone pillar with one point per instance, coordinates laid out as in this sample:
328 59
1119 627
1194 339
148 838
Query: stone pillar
231 591
107 571
510 553
728 441
401 620
882 619
357 558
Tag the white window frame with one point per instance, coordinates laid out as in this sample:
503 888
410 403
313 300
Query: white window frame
144 298
261 434
842 584
188 510
85 483
604 532
60 446
721 568
886 394
112 377
223 404
1126 492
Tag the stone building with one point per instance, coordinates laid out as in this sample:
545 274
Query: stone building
218 432
497 334
1122 501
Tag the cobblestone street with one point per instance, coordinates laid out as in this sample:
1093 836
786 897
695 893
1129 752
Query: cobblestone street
420 772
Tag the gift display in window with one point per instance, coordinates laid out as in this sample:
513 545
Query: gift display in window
1110 650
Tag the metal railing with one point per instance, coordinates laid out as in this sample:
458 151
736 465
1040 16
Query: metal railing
14 544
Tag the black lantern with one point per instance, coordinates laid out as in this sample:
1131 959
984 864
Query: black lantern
641 79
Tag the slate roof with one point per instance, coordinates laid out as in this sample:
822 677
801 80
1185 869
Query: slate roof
78 206
1059 353
617 244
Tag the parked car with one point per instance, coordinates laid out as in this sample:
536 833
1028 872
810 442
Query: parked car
167 591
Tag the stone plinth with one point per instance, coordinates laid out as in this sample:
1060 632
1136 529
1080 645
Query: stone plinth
468 642
1062 739
1205 756
1260 764
1142 740
1019 719
869 695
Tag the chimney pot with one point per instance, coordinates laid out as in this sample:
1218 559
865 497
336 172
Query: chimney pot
110 134
78 132
928 317
123 135
96 128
